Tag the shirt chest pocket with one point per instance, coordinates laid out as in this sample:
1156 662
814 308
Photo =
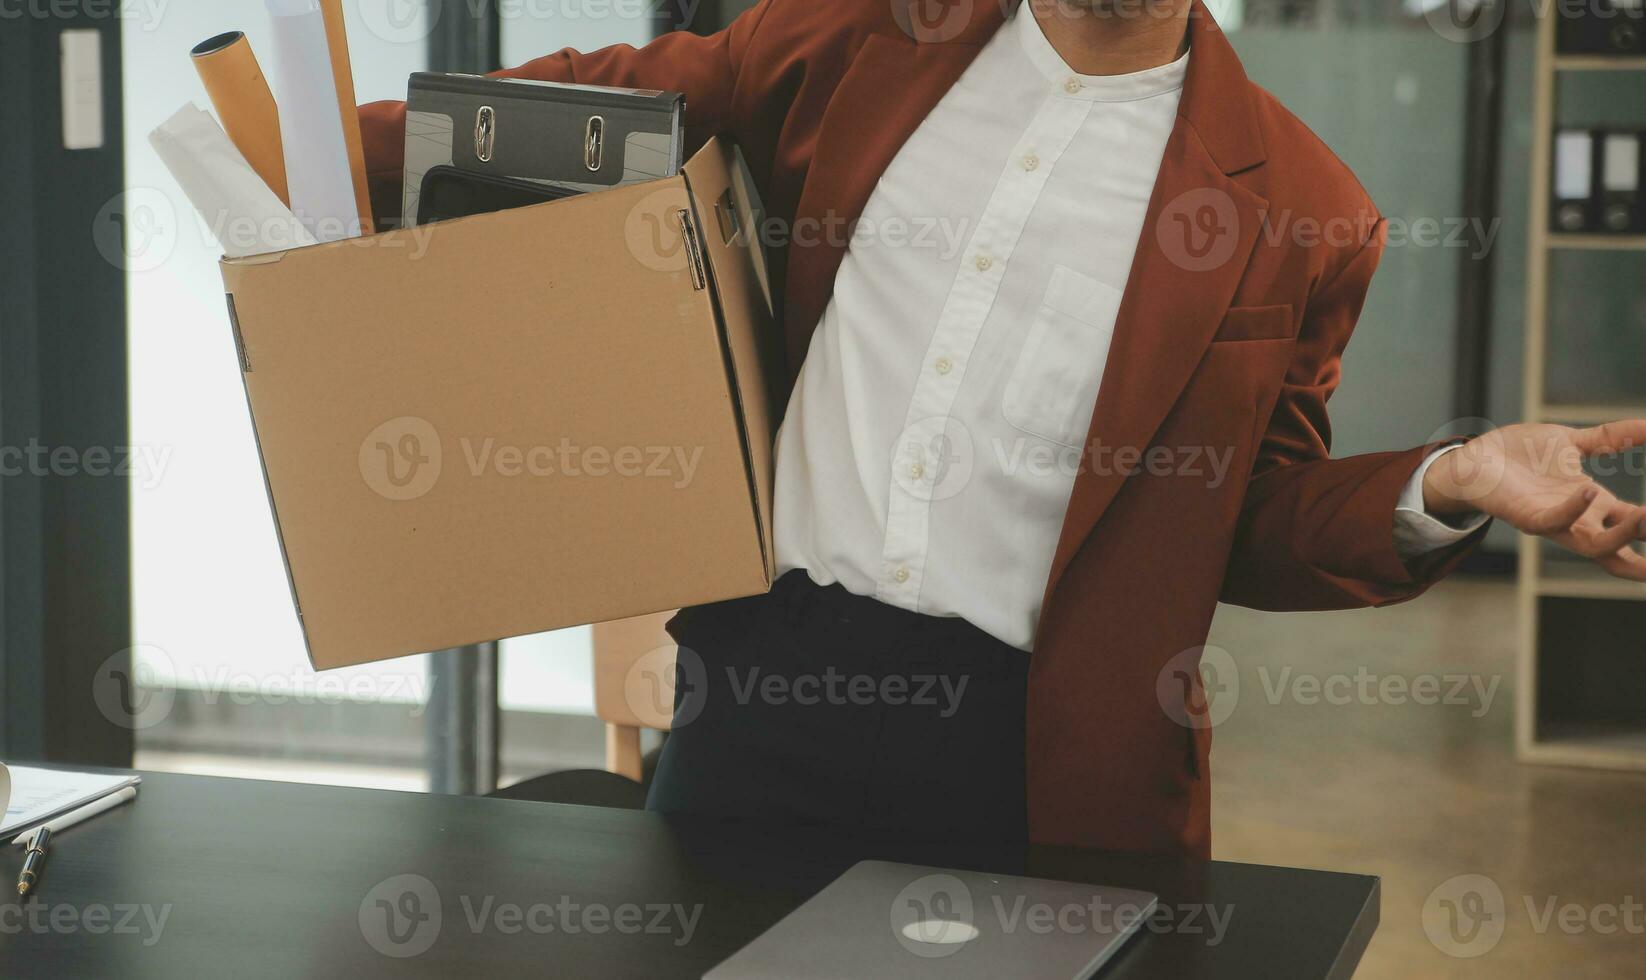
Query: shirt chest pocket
1053 386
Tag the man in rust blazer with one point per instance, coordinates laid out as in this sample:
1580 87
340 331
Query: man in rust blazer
1063 296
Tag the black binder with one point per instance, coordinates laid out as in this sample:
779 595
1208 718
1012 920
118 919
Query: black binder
1573 205
452 193
1620 177
574 137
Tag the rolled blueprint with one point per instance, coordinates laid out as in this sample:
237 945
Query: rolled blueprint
235 205
311 128
337 42
234 83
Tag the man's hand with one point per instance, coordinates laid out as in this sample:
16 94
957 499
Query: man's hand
1532 477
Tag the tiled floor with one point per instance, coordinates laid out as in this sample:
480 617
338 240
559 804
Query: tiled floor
1423 793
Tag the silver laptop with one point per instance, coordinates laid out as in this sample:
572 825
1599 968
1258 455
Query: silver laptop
904 922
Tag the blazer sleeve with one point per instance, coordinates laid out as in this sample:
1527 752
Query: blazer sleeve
1316 532
704 68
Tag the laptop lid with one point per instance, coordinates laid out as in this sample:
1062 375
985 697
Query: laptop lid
907 922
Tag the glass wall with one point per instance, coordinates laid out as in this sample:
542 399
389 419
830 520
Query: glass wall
225 681
1386 93
226 686
532 28
219 650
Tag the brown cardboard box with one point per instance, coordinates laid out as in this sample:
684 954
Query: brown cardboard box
519 421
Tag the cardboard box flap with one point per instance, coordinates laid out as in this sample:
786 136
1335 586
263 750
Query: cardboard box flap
727 216
500 425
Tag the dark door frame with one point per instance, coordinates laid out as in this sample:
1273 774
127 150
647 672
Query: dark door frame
463 724
65 524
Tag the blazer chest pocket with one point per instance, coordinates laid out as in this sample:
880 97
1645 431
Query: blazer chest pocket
1255 323
1053 386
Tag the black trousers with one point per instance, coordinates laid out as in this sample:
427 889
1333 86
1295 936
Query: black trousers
810 705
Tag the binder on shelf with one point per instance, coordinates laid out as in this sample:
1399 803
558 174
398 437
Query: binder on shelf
1572 209
1554 722
1603 27
1620 201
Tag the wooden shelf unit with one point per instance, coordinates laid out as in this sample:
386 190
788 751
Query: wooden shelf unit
1599 243
1598 62
1540 739
1583 580
1584 414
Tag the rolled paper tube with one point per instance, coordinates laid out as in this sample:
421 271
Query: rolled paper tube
235 84
337 42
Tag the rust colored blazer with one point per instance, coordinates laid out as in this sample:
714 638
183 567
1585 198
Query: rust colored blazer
1256 255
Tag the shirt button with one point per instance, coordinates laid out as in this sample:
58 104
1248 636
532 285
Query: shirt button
943 365
1030 162
902 573
1072 86
983 263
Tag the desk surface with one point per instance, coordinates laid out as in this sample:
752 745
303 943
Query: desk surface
243 878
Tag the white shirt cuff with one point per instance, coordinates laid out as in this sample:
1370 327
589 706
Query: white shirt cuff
1418 532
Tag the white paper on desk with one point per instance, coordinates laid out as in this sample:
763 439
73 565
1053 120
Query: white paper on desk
318 180
235 204
37 795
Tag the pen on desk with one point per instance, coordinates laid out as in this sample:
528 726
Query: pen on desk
33 860
37 840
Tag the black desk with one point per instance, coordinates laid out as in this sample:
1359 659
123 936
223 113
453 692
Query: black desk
259 879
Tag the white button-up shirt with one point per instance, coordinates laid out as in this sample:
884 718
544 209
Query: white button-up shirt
933 436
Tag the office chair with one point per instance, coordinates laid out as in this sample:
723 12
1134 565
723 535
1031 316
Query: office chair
633 689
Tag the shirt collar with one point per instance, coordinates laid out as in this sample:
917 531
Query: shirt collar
1100 88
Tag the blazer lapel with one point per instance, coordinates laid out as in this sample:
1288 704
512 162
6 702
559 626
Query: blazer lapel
892 84
1200 230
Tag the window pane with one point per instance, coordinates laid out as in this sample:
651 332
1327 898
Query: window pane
212 609
532 28
1385 92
